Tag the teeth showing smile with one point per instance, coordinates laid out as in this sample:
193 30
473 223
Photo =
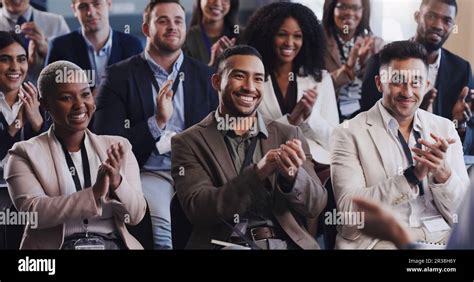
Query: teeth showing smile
78 117
246 99
13 76
216 10
287 52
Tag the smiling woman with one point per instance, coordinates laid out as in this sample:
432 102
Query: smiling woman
20 117
86 187
300 90
213 29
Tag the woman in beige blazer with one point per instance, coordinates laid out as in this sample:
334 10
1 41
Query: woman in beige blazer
350 44
300 91
77 183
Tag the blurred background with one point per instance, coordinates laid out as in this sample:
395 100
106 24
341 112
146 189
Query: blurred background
391 19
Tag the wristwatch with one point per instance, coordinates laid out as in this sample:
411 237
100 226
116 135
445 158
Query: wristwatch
409 174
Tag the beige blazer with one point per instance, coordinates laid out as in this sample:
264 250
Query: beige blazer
361 165
323 119
34 176
209 188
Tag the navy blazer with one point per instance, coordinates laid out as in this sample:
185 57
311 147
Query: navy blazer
453 75
125 101
72 47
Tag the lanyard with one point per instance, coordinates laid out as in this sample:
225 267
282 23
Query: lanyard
408 155
248 154
176 82
72 167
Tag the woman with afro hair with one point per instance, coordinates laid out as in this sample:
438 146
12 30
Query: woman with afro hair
298 90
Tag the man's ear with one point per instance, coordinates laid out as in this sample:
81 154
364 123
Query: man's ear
428 83
378 83
216 81
146 29
417 17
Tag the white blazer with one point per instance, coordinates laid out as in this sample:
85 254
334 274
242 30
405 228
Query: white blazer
324 118
362 165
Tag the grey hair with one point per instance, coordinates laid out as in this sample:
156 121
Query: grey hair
56 73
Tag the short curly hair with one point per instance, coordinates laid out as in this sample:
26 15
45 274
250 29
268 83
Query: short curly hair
263 27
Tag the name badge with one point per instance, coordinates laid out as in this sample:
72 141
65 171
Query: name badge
435 223
89 244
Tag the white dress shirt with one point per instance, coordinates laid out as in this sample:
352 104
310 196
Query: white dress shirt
411 212
433 71
104 224
323 119
9 113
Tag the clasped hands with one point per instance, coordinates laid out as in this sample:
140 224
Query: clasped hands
284 160
108 175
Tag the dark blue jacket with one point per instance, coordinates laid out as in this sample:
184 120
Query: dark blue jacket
125 101
72 47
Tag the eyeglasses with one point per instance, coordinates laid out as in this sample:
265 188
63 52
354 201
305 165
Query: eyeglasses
344 7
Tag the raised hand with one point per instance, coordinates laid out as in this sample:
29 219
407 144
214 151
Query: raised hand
31 105
113 164
164 104
220 46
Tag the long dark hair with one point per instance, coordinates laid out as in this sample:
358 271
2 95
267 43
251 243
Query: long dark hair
230 20
7 38
264 25
330 25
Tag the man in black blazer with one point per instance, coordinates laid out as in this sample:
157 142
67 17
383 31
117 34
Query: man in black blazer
95 45
151 97
451 95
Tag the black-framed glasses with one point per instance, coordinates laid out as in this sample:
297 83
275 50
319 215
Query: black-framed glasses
345 7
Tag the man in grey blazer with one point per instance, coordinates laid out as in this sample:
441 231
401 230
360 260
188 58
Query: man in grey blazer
237 170
37 28
399 155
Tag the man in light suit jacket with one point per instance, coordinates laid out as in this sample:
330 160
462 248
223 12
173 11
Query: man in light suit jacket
40 27
450 76
95 45
235 166
378 155
152 96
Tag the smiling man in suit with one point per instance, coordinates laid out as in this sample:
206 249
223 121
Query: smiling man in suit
399 155
451 84
95 45
151 97
235 164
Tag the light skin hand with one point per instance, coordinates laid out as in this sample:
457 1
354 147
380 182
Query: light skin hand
380 223
290 158
164 104
267 165
220 46
433 158
31 105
